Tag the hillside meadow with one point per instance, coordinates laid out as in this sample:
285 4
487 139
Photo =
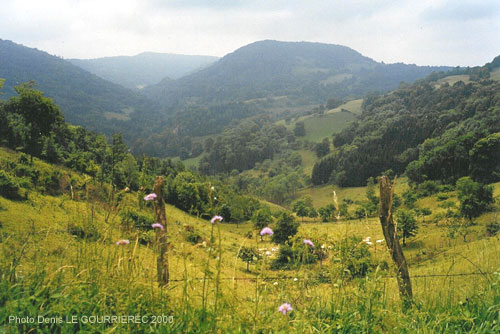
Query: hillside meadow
61 265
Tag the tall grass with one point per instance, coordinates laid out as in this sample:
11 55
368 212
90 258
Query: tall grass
46 271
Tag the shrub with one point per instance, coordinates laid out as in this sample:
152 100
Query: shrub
285 228
441 197
492 228
354 256
88 232
285 258
146 237
137 220
249 255
9 187
297 253
193 237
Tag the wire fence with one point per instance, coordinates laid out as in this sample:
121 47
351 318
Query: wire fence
295 278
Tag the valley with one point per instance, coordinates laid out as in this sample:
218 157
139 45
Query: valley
270 159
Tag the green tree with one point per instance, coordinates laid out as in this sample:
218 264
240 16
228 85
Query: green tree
40 115
262 218
407 224
118 154
475 198
300 129
322 148
485 159
313 213
302 207
285 228
326 212
249 255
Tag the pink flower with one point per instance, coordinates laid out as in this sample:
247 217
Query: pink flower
284 308
266 231
308 242
123 242
158 225
216 219
150 197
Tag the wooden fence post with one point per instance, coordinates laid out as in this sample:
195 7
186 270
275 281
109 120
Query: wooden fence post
161 234
402 273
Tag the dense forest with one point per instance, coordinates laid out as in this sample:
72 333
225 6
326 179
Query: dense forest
33 124
430 131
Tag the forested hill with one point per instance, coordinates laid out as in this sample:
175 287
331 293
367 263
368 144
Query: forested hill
431 129
84 98
309 72
147 68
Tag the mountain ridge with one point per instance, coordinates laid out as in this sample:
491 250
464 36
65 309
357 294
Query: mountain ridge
145 68
311 71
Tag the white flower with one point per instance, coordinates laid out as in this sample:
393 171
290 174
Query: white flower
295 279
268 253
275 283
367 239
379 241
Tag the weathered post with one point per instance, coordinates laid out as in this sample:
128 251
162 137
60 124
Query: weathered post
161 234
403 276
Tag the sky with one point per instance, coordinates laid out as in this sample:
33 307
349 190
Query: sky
422 32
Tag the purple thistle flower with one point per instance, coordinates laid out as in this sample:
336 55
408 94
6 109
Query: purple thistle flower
122 242
284 308
216 219
266 231
150 197
308 242
158 225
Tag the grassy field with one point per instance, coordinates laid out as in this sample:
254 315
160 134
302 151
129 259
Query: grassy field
495 74
323 126
323 195
59 258
309 158
192 162
452 79
353 106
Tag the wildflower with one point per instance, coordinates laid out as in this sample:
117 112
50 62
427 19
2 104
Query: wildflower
323 246
216 219
295 279
309 242
367 239
379 241
212 188
150 197
266 231
158 225
123 242
268 253
275 283
369 243
127 189
284 308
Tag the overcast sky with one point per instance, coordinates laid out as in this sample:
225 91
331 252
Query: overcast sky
424 32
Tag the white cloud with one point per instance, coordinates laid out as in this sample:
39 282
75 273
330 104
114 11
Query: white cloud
424 32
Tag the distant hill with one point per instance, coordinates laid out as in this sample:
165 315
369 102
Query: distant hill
84 98
144 69
440 128
308 72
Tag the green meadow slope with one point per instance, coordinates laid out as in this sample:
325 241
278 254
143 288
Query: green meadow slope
60 258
